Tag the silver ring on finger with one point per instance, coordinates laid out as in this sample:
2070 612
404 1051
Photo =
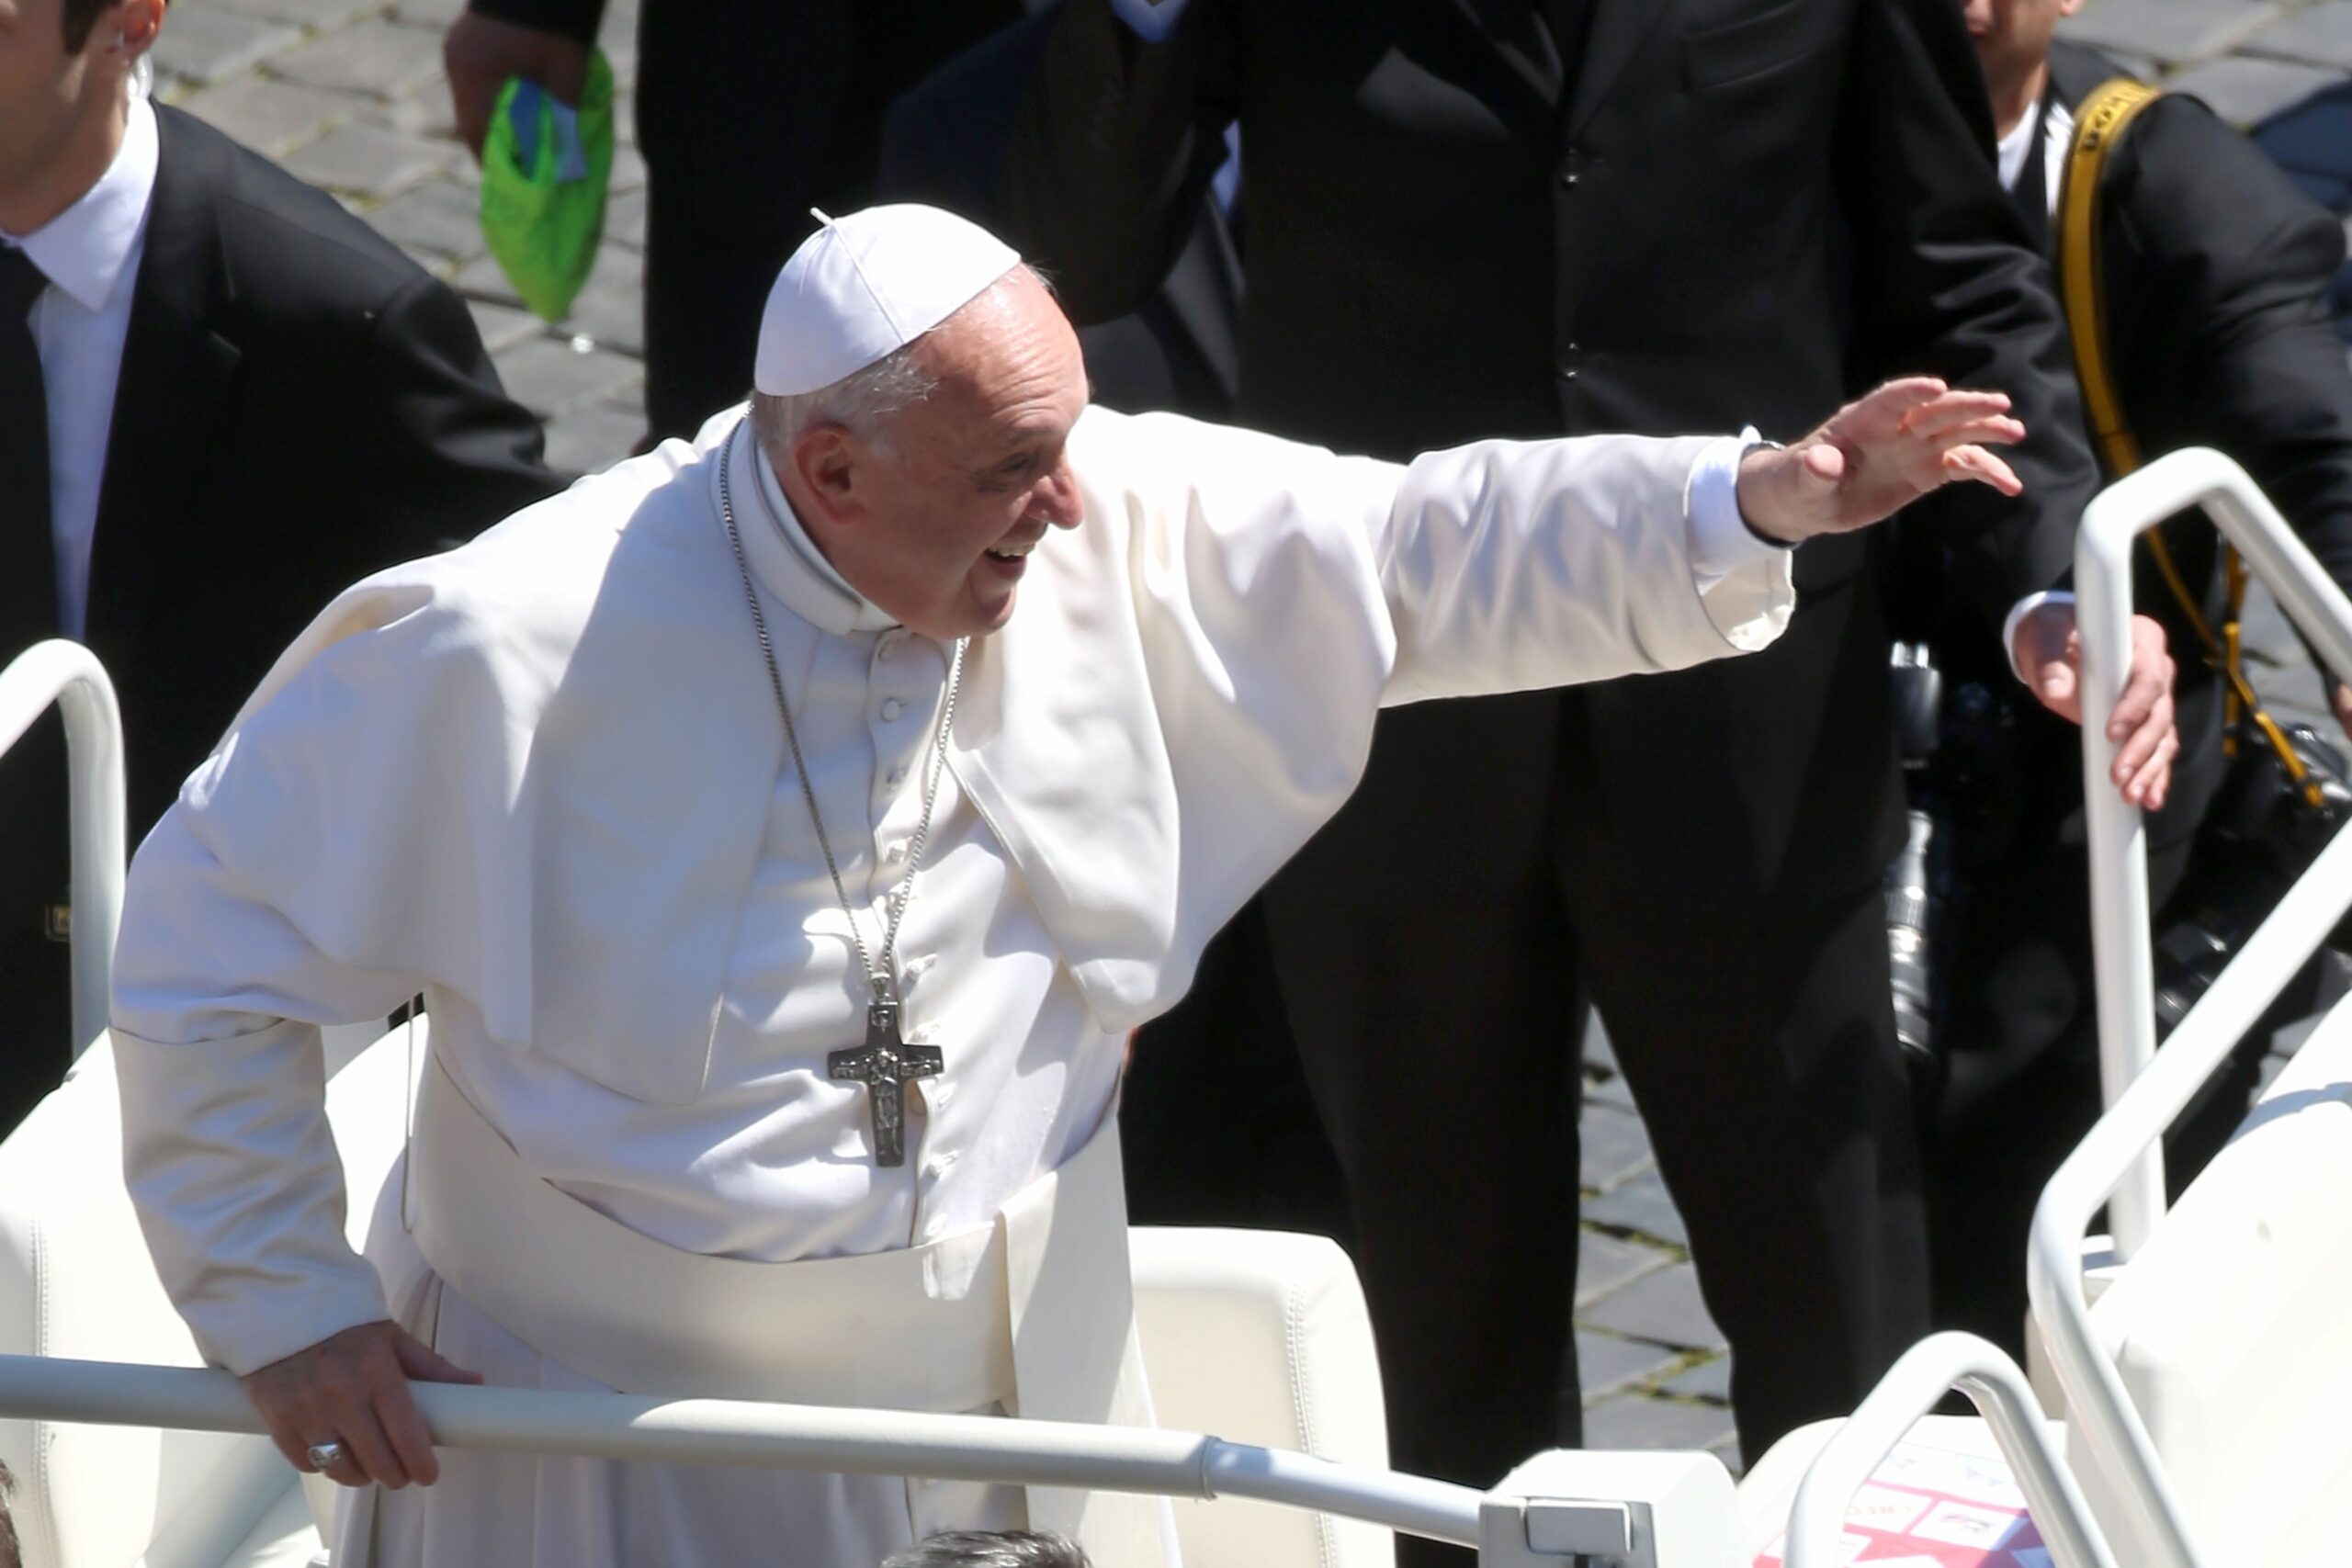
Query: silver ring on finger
324 1456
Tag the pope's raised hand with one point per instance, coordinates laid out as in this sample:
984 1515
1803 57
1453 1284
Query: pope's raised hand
1876 456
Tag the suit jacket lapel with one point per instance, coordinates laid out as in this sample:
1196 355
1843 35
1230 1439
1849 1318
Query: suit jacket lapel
176 370
1617 29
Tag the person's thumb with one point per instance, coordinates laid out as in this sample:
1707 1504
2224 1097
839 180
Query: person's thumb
2058 687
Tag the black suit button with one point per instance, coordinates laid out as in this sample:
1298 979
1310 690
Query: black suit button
1567 372
1572 168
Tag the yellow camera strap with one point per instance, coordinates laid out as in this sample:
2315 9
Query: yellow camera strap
2098 127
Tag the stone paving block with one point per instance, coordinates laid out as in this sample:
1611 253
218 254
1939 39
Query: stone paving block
614 317
1597 1050
1615 1146
1709 1380
442 219
1630 1421
588 441
1641 1205
434 14
628 169
624 220
372 57
483 278
2321 35
1611 1090
1606 1363
426 111
2247 92
1664 1306
1605 1262
2173 31
547 375
629 399
273 117
315 16
1728 1452
369 161
201 45
502 326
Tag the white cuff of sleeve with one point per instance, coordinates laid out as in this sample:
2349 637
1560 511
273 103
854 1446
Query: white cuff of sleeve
1721 540
1150 20
2024 608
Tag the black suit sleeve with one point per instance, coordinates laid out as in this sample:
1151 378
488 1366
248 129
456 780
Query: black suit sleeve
1112 151
574 18
2219 269
443 453
1947 283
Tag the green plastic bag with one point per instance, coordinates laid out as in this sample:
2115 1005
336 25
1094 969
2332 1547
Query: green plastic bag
544 169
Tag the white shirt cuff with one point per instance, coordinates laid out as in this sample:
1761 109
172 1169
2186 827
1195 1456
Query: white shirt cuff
2024 608
1721 540
1150 20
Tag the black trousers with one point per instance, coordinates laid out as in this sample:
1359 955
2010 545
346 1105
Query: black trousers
1429 980
2024 1086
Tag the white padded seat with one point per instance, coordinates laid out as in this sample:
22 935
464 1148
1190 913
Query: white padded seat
1262 1337
2232 1330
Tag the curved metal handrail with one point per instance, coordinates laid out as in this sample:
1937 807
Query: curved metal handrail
1911 1389
68 674
739 1432
2117 1163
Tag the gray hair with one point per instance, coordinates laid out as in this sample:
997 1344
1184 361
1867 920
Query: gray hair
989 1549
859 401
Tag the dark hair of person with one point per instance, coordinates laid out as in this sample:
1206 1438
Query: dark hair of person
80 17
10 1557
990 1548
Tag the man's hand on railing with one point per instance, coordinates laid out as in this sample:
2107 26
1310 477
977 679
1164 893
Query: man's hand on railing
351 1390
2343 697
2049 655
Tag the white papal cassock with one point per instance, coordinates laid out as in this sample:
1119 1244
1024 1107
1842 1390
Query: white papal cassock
542 781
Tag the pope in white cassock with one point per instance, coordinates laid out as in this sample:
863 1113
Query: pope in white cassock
781 899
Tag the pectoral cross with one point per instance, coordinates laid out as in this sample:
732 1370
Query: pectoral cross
886 1065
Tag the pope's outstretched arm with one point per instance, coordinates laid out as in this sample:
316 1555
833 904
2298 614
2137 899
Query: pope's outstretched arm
1518 565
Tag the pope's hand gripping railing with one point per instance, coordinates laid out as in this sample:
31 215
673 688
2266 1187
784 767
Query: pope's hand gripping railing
2118 1163
719 1431
68 674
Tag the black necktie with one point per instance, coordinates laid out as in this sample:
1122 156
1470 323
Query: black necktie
28 562
2031 194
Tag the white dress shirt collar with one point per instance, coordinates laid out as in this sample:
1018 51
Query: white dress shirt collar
85 250
786 562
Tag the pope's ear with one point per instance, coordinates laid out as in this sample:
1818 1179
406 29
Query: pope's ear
826 461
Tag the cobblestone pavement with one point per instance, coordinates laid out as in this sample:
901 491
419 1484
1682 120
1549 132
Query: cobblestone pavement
349 94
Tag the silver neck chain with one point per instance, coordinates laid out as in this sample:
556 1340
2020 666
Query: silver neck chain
879 976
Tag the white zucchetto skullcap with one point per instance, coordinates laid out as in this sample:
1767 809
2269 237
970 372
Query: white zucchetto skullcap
867 285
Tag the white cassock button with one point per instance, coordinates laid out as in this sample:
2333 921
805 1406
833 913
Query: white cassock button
890 706
885 650
897 777
897 853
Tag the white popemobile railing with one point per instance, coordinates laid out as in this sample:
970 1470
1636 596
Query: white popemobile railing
718 1431
68 674
1914 1387
2119 1162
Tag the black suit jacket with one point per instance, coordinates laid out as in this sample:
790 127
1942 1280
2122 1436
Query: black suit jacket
2215 272
1706 213
299 405
942 143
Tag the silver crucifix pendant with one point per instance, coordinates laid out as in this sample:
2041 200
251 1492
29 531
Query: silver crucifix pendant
886 1065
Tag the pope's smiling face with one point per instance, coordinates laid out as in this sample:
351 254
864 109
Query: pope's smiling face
934 520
